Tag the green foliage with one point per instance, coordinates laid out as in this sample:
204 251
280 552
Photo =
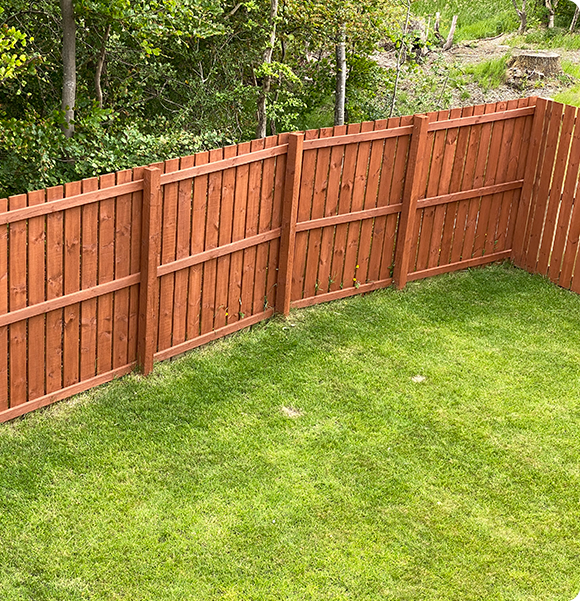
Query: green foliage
489 74
13 56
430 90
34 152
188 68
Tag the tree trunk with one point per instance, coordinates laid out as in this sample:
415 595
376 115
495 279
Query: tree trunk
267 79
340 96
575 19
69 80
523 15
449 41
551 5
100 66
400 59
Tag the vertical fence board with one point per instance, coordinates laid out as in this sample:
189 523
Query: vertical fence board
489 172
36 283
264 225
394 188
443 186
331 207
168 250
351 267
121 299
135 267
72 269
388 154
198 215
521 221
252 216
479 171
304 212
428 214
467 207
238 233
225 237
566 238
495 200
344 204
184 206
454 218
274 253
214 199
4 397
89 269
370 201
321 182
17 349
106 256
54 289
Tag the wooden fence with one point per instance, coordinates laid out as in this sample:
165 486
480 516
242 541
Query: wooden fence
100 276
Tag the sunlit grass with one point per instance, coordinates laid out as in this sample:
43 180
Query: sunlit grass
572 94
489 74
305 459
482 19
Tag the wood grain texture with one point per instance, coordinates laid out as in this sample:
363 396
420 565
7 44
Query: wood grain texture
36 294
4 395
18 292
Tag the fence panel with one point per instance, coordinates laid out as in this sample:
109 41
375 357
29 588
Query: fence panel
550 244
142 265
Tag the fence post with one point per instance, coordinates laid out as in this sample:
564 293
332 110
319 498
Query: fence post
150 250
289 215
418 158
530 173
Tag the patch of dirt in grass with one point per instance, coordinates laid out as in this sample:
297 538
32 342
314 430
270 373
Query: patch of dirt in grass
292 412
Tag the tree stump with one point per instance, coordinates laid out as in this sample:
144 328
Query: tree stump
528 67
546 63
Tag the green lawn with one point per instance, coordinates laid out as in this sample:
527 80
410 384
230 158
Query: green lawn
300 460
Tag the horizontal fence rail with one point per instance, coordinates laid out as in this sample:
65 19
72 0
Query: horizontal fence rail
105 275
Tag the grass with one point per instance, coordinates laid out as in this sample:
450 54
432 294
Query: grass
572 94
547 39
300 460
481 19
489 74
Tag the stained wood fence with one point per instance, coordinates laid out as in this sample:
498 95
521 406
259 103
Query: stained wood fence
108 274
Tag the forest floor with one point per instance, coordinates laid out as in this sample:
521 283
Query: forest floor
473 72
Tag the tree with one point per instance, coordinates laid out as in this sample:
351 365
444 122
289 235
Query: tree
551 5
69 65
575 19
522 14
345 29
267 76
